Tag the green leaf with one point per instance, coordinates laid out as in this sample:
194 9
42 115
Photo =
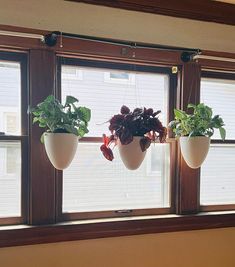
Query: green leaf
35 119
82 131
51 114
200 123
179 114
84 114
70 100
222 133
71 129
191 106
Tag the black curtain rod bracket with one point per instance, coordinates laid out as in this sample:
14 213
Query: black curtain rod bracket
51 39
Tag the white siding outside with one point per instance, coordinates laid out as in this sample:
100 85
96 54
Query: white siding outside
218 171
92 183
10 152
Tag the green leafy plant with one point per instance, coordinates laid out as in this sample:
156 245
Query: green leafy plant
58 118
200 122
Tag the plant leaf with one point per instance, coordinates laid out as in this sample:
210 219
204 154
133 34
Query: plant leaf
84 114
70 100
222 133
179 114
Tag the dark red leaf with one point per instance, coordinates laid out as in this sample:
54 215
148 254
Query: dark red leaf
156 113
145 143
125 110
107 152
125 137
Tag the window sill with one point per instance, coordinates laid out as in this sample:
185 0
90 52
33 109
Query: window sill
90 229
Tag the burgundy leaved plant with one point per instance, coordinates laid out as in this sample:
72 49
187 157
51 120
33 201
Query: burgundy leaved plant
140 122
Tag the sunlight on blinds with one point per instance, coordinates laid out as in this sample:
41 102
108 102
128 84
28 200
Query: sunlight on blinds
92 183
220 96
10 179
218 171
10 108
218 176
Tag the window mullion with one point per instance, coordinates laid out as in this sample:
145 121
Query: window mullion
188 189
42 173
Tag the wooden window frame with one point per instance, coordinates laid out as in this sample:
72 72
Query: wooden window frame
20 58
224 76
42 209
68 61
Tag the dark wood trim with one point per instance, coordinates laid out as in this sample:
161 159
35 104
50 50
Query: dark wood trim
42 173
173 84
217 65
218 75
218 54
25 138
26 235
12 220
12 137
222 207
204 10
59 181
72 216
219 141
188 188
91 48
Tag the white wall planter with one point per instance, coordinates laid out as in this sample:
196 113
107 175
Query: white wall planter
60 148
131 154
194 150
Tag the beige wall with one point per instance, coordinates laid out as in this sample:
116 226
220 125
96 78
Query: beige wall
208 248
107 22
213 248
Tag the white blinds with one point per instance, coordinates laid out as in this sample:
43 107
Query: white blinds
10 152
92 183
220 95
218 171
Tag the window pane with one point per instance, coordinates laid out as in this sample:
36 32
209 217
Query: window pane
105 99
119 75
220 95
218 176
10 179
10 109
92 183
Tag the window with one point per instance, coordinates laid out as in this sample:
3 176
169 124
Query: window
92 184
11 122
92 191
13 119
119 77
217 173
70 73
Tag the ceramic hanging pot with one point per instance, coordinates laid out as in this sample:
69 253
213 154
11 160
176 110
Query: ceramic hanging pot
60 148
194 150
132 156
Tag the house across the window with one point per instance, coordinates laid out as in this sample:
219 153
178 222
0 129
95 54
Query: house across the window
119 77
92 184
